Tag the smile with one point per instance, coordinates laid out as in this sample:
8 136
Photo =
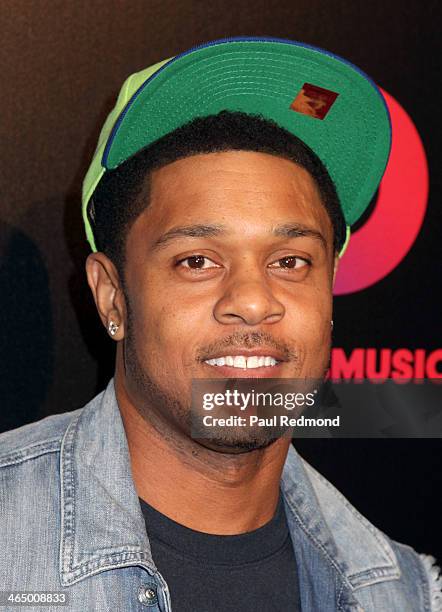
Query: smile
243 362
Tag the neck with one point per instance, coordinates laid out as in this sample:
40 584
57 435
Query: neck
208 491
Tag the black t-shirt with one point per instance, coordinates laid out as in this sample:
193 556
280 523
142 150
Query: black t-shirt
251 572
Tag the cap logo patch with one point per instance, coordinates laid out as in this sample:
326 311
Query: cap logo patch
314 101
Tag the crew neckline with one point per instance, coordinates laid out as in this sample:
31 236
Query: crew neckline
235 549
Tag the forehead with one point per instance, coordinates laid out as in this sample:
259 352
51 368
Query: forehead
245 191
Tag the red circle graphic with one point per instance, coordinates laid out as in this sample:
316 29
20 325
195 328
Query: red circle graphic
381 243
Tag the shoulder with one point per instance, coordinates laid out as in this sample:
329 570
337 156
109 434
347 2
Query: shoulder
422 571
417 576
35 439
42 437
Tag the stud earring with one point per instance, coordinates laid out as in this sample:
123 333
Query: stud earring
112 328
331 323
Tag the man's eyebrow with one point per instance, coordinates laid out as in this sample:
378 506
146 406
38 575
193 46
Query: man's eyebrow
188 231
285 230
298 230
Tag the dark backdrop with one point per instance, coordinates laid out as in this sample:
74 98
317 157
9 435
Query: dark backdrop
62 63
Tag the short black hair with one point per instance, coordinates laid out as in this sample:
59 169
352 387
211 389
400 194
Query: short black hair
116 202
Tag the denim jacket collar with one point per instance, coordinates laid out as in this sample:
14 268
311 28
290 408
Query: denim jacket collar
103 526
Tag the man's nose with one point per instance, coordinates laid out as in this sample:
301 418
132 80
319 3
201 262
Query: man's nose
248 299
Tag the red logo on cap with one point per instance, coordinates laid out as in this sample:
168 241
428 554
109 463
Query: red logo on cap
313 101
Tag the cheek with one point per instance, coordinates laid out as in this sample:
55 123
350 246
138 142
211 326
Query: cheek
311 307
166 329
309 323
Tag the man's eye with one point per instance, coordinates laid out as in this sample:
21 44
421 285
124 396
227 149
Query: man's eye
197 262
200 262
291 262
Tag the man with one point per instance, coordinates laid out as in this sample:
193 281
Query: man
217 205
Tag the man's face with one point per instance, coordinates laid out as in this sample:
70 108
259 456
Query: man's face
233 257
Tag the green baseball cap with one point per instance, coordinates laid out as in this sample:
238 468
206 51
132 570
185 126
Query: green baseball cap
324 100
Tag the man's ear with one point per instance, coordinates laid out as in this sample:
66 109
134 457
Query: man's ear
106 287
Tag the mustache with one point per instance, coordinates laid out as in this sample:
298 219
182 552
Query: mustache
248 340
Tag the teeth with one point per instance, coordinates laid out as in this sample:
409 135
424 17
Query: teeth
252 362
240 361
211 361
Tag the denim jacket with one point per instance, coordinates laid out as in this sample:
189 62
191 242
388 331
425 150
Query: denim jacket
71 523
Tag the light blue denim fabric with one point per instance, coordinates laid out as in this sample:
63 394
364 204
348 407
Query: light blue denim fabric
70 521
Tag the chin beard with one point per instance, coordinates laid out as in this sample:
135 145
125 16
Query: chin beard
236 439
228 444
171 416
